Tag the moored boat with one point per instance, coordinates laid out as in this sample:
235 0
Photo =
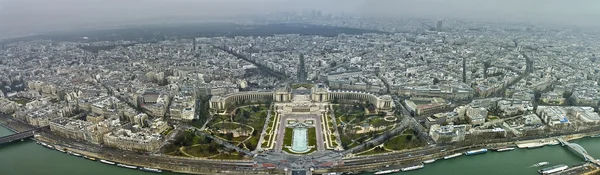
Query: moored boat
504 149
553 169
107 162
429 161
536 146
48 146
387 171
127 166
57 148
151 169
74 154
89 158
474 152
453 156
594 136
416 167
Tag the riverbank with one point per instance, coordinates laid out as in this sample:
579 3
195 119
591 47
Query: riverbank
178 165
400 161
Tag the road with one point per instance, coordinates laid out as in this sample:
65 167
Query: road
414 124
222 142
153 160
334 122
263 133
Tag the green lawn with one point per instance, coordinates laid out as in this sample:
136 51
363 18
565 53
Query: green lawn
199 150
265 143
312 137
346 141
406 140
307 86
287 139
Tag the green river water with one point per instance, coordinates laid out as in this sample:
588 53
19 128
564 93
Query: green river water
29 158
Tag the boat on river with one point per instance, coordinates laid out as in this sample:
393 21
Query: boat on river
536 146
89 158
387 171
474 152
504 149
127 166
453 156
107 162
540 164
151 170
416 167
553 169
429 161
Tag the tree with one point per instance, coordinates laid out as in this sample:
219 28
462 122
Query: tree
536 95
229 136
567 94
409 137
436 80
250 146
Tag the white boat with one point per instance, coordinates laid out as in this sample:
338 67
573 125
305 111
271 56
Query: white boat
540 164
59 149
453 156
536 146
48 146
474 152
387 171
107 162
416 167
89 158
505 149
127 166
151 170
553 169
75 154
429 161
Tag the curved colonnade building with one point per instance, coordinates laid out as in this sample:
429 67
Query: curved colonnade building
318 93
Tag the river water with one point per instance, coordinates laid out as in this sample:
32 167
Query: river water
29 158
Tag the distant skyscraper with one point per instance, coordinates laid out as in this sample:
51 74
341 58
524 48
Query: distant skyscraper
301 71
438 26
194 44
464 73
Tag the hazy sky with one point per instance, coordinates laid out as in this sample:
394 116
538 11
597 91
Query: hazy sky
18 17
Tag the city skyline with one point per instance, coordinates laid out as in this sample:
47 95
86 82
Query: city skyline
306 90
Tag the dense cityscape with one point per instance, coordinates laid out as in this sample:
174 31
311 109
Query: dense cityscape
319 94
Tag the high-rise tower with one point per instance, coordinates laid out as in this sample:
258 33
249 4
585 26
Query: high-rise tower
194 44
438 26
464 71
302 75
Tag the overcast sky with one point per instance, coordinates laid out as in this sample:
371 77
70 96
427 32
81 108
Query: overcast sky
18 17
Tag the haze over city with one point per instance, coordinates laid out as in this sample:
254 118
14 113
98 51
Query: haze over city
23 17
332 87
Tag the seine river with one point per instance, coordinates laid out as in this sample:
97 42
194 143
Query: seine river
29 158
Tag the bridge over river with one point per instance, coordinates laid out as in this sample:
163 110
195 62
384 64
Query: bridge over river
580 150
19 136
21 130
